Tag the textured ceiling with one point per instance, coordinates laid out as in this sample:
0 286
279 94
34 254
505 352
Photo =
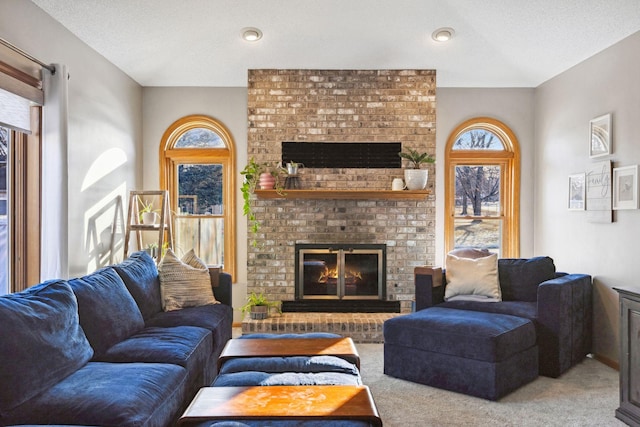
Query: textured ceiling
498 43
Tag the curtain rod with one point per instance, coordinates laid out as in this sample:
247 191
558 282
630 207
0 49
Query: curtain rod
26 55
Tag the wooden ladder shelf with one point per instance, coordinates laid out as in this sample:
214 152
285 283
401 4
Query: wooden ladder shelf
162 226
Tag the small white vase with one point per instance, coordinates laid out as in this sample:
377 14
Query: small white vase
149 218
416 179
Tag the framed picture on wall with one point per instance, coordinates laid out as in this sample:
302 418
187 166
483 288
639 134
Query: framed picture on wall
598 186
625 187
600 136
576 192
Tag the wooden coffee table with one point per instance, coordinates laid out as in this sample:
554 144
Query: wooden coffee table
285 347
334 402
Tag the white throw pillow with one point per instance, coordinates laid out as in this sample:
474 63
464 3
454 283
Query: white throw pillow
477 277
184 283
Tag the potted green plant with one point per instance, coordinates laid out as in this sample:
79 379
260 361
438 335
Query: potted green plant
292 167
416 178
147 214
258 306
252 173
152 250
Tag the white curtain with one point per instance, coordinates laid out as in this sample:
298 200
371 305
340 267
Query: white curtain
55 227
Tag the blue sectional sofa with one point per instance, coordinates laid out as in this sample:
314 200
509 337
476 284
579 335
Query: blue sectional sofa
100 351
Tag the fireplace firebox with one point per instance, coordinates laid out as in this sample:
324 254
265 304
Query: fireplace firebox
340 277
340 271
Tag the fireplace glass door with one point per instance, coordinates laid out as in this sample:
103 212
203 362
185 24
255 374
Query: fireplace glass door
343 273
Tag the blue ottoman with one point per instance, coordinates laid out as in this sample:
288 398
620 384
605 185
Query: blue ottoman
485 355
289 370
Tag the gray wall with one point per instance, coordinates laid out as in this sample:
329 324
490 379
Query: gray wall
105 131
606 83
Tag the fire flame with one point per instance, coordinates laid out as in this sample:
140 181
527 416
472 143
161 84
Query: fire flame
331 274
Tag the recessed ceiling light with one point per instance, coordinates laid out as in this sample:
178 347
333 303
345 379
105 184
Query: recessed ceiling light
251 34
443 34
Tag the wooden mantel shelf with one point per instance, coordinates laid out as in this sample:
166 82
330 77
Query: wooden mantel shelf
343 194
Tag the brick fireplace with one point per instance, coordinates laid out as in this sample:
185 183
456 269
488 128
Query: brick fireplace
341 106
341 278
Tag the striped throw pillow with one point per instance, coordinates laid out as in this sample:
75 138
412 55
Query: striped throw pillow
184 282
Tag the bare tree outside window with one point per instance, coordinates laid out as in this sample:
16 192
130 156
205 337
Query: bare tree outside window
478 139
477 194
478 187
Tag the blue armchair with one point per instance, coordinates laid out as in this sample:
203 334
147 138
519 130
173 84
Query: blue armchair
558 304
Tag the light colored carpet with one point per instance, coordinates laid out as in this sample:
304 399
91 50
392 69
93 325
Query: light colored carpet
587 395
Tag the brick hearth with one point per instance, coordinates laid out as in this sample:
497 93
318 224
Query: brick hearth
361 327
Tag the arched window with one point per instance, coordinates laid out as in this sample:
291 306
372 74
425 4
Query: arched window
197 167
482 187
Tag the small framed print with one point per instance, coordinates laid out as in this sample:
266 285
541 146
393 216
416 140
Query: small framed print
625 187
600 136
598 189
576 192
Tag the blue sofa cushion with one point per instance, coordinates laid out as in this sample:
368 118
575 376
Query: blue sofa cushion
212 317
520 277
108 313
468 334
187 346
218 318
42 342
140 276
525 309
109 394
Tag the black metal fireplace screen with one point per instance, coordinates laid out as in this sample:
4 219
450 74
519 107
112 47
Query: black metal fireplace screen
341 271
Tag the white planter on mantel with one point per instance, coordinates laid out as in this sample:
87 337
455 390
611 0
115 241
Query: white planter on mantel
416 179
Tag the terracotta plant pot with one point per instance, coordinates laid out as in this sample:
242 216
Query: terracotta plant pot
266 181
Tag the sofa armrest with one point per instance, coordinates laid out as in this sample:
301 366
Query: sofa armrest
221 285
565 314
429 286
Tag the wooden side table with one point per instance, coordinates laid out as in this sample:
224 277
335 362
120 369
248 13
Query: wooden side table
332 402
286 347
